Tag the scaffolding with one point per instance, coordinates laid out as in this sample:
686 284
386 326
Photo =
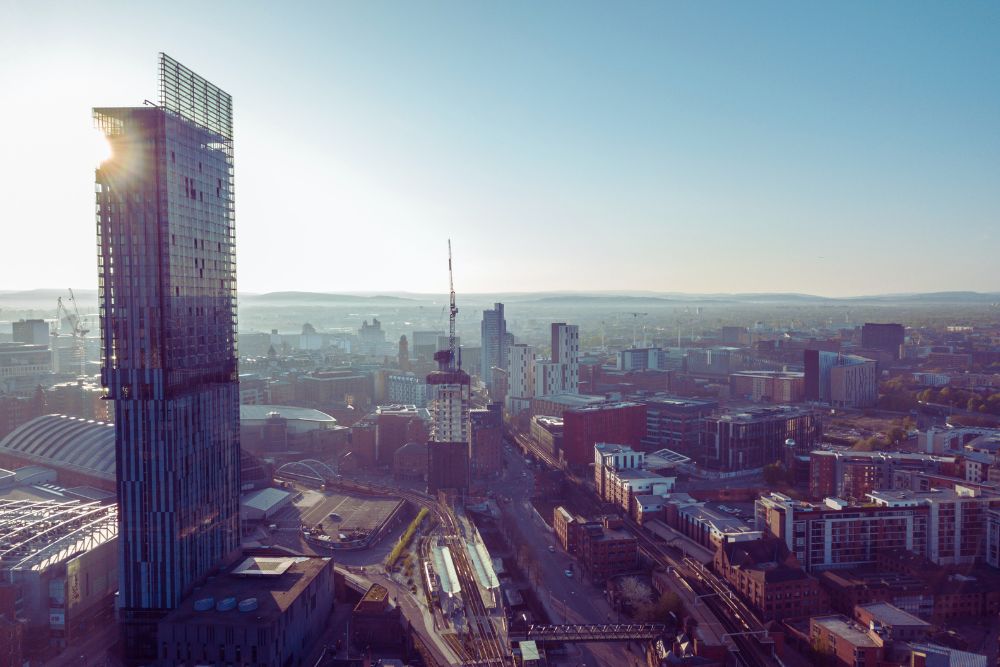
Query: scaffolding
37 534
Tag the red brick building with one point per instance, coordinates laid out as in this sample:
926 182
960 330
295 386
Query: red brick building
487 441
568 529
769 579
621 423
393 430
362 447
845 642
607 550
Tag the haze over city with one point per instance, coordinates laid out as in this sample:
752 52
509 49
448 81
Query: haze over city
439 334
832 150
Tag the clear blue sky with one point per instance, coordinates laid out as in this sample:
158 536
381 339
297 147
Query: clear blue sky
832 148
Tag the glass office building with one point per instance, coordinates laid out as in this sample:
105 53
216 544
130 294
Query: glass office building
167 281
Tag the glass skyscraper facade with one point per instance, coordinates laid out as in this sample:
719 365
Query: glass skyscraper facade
493 331
167 281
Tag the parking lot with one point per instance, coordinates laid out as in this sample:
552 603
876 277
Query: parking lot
337 514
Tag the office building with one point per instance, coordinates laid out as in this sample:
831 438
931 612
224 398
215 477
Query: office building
675 423
556 404
888 338
842 380
852 475
267 610
167 290
406 388
493 331
945 526
747 440
547 433
371 338
21 365
640 359
561 374
487 441
520 378
31 332
620 475
403 357
621 423
767 386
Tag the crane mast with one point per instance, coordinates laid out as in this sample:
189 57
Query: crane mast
453 311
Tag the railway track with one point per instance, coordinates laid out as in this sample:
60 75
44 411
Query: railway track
488 648
740 623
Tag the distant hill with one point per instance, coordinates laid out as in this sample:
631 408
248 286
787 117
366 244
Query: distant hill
45 299
600 300
317 299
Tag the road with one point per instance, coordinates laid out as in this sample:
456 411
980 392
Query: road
568 600
89 652
728 612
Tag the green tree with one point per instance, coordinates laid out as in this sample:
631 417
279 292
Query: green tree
895 436
866 445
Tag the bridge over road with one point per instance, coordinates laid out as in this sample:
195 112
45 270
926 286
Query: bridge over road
612 632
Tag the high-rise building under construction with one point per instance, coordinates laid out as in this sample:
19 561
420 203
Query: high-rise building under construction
448 449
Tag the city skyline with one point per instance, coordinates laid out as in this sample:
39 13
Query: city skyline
781 149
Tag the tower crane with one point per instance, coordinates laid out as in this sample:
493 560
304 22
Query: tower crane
78 330
635 320
452 314
448 359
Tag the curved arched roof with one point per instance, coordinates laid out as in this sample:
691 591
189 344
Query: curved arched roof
60 441
415 447
260 413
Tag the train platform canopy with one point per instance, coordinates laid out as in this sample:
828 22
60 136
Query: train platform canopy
483 565
445 568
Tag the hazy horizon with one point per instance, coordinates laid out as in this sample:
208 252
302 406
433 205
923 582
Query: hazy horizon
837 150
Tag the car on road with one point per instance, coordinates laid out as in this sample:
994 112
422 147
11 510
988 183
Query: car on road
569 573
552 549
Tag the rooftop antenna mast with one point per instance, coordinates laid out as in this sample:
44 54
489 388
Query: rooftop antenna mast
453 311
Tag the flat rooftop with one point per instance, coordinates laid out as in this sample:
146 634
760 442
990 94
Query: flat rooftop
403 410
847 630
377 593
274 593
891 615
665 457
903 497
638 473
753 413
676 402
574 400
261 412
